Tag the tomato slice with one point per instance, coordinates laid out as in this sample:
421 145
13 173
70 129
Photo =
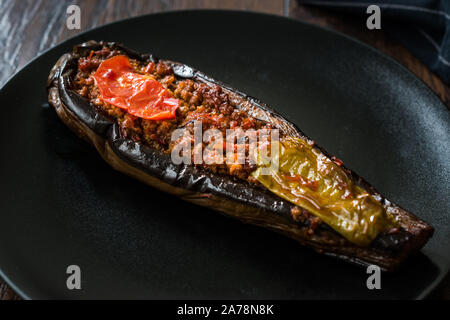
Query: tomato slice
138 94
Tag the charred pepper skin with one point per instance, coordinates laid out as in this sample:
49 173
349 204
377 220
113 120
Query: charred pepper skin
226 194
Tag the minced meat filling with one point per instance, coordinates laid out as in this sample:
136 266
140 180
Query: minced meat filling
199 101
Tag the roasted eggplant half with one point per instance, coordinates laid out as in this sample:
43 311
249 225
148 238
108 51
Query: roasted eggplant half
137 111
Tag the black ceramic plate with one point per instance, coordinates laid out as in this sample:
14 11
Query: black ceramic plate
62 205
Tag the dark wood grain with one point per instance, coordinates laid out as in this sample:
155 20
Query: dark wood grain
28 27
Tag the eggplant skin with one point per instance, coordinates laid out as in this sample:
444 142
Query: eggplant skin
225 194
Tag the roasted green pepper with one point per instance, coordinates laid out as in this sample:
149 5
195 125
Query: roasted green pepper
307 178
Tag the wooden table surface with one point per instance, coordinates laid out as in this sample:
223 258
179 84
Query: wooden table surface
28 27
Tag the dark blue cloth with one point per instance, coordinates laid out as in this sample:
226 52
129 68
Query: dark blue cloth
422 26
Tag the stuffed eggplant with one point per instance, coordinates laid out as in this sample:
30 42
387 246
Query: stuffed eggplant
131 108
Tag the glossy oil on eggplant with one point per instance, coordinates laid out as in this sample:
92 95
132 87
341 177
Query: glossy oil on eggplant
386 244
